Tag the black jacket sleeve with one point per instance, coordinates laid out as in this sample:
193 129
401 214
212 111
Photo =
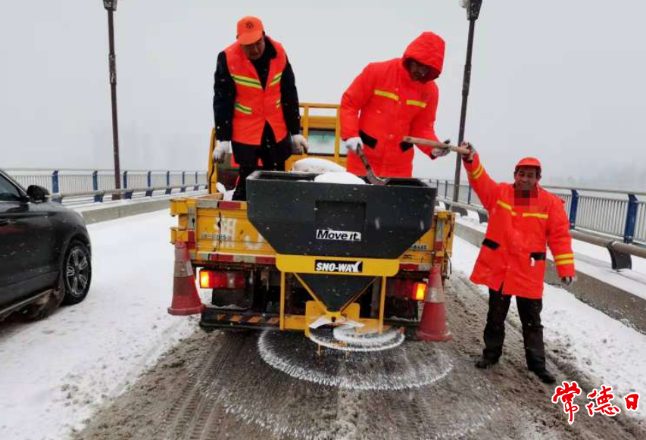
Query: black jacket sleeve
224 95
289 100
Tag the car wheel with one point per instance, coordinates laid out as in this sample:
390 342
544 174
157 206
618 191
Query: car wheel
77 273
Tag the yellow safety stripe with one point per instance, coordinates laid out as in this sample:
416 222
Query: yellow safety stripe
246 81
417 103
478 172
563 256
242 109
386 95
563 262
276 79
534 214
506 206
278 103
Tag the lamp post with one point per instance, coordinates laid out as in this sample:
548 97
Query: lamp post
111 7
473 11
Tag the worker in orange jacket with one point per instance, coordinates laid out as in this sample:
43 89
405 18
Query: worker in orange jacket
255 103
524 219
390 100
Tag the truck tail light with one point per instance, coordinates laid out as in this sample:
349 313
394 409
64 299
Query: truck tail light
210 279
419 291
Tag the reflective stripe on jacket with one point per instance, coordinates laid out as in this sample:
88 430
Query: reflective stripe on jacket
383 104
513 254
255 105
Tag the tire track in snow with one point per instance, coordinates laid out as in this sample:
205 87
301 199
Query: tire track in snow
184 409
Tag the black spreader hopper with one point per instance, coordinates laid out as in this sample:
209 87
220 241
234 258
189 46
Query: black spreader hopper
298 216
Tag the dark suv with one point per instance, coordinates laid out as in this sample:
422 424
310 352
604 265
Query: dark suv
45 258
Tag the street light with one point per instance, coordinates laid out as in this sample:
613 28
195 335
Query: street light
111 7
473 11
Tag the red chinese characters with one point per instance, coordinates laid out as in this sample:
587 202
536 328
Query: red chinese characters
566 395
602 402
632 401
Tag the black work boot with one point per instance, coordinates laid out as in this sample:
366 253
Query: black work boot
544 375
486 362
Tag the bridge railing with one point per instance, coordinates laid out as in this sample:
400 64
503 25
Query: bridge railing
611 213
93 185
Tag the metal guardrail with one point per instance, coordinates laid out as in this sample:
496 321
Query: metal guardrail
615 214
95 184
98 196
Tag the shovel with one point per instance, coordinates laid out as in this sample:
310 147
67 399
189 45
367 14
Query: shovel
370 174
435 144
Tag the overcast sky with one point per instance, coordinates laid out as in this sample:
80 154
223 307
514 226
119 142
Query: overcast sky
560 80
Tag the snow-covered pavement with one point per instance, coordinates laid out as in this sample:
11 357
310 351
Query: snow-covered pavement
55 373
603 347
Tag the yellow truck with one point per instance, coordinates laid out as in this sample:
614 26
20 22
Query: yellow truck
300 253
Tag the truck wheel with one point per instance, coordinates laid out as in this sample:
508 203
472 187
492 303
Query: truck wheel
76 273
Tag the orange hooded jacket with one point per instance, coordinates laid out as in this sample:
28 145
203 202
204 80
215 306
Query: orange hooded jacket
513 251
383 104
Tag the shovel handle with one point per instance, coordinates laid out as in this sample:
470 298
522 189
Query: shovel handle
370 174
435 144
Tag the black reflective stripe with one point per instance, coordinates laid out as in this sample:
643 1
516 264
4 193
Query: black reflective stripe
405 146
490 244
367 139
537 256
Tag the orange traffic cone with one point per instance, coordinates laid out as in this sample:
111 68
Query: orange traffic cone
433 323
186 301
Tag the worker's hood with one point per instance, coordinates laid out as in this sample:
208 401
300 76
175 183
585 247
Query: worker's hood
427 49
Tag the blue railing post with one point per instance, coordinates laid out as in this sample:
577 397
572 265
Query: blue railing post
631 219
196 178
183 181
469 196
446 189
573 208
55 182
149 181
125 179
168 190
95 185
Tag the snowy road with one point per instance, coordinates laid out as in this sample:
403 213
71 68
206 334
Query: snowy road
98 364
58 370
275 386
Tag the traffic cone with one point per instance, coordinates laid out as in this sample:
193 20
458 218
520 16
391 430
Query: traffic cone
433 323
186 301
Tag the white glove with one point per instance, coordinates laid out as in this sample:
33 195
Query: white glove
352 144
568 281
472 152
220 150
299 144
439 152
